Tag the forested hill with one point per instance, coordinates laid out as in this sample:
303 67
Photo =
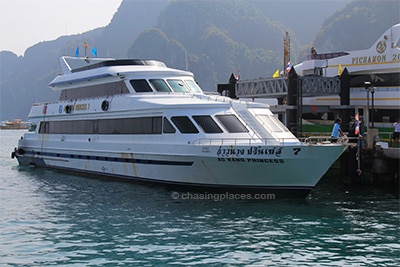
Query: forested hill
215 38
357 26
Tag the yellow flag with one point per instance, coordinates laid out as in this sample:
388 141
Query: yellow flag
276 74
339 70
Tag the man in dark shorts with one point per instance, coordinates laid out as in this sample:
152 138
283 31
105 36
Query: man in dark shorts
396 133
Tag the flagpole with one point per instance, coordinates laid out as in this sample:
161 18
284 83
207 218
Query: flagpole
286 53
86 46
186 60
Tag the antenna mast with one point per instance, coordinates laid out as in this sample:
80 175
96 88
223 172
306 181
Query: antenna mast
286 52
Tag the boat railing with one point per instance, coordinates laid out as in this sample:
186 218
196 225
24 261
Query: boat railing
245 141
311 140
327 55
321 139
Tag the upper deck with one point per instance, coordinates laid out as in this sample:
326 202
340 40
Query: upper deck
86 78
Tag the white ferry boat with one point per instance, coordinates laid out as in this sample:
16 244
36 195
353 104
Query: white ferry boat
379 65
138 119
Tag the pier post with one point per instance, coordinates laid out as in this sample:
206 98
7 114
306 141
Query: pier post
345 114
232 86
228 89
282 101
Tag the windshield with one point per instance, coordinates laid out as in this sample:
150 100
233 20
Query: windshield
160 85
193 86
177 85
272 123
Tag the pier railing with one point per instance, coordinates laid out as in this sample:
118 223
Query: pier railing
278 87
325 139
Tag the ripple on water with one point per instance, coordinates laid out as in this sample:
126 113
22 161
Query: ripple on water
53 218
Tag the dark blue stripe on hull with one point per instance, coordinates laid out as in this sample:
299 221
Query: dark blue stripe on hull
102 158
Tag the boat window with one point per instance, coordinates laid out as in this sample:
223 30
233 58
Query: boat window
114 88
184 124
32 127
177 86
140 86
272 123
207 124
76 127
193 86
44 126
167 127
144 125
160 85
232 124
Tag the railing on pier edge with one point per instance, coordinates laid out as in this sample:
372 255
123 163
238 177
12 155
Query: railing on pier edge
383 137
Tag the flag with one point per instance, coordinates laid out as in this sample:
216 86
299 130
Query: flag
276 74
339 70
357 123
288 67
238 75
94 51
86 45
77 52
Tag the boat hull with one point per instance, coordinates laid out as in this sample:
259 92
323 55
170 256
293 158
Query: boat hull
286 171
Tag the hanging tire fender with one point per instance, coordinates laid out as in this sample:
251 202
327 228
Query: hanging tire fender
105 105
68 109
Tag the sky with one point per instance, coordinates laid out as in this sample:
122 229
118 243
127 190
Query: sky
24 23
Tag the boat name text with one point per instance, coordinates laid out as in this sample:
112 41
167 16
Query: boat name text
396 57
373 59
256 150
81 107
368 59
251 160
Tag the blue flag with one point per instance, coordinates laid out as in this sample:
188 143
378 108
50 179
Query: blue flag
77 52
94 51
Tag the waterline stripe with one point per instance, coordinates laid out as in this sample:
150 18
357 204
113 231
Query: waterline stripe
114 159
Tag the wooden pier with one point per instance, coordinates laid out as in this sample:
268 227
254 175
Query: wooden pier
376 166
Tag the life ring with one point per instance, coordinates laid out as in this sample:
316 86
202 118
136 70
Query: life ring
68 109
104 105
343 139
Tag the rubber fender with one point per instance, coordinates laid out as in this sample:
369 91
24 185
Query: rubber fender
105 105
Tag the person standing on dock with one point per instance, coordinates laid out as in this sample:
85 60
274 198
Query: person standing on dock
313 52
396 133
336 131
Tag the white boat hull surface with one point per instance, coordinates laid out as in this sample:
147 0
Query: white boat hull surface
264 167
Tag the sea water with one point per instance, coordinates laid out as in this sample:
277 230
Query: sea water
50 218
